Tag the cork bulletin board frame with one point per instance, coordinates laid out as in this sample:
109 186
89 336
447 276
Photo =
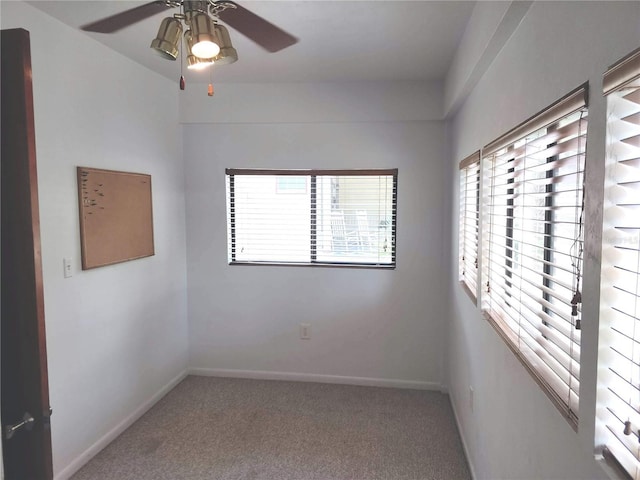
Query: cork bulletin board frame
116 216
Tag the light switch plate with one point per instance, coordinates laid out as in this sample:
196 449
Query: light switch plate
66 263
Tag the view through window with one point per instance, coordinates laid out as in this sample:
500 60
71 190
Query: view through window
328 217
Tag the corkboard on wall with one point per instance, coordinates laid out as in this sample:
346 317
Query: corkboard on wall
116 216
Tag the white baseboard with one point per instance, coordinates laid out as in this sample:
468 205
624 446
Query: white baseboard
314 377
464 442
94 449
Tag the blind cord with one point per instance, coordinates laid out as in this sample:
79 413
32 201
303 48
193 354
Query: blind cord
576 252
577 247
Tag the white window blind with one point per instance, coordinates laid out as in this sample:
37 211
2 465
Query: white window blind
469 222
619 379
532 244
312 217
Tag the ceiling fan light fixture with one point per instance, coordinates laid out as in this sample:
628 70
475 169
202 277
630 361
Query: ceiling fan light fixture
168 38
193 62
201 17
205 41
227 54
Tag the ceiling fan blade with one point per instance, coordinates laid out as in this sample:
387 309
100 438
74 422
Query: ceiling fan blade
256 28
124 19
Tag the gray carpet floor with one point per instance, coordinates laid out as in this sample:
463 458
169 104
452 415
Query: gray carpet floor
221 428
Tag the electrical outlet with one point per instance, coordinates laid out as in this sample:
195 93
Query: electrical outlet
305 331
471 395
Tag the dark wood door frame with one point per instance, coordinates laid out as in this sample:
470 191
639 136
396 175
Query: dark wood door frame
25 385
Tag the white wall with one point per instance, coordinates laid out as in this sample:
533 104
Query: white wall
368 325
117 335
328 102
514 431
488 29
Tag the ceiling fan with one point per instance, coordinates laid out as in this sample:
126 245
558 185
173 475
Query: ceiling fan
207 41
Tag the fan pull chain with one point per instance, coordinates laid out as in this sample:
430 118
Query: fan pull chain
182 82
210 88
627 427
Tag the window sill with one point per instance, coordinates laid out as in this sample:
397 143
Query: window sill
496 322
468 291
377 266
611 466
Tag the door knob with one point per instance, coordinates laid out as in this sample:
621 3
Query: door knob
27 422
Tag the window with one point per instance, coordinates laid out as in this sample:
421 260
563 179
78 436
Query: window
344 217
619 373
532 244
469 223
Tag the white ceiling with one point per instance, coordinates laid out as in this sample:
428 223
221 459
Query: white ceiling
338 40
